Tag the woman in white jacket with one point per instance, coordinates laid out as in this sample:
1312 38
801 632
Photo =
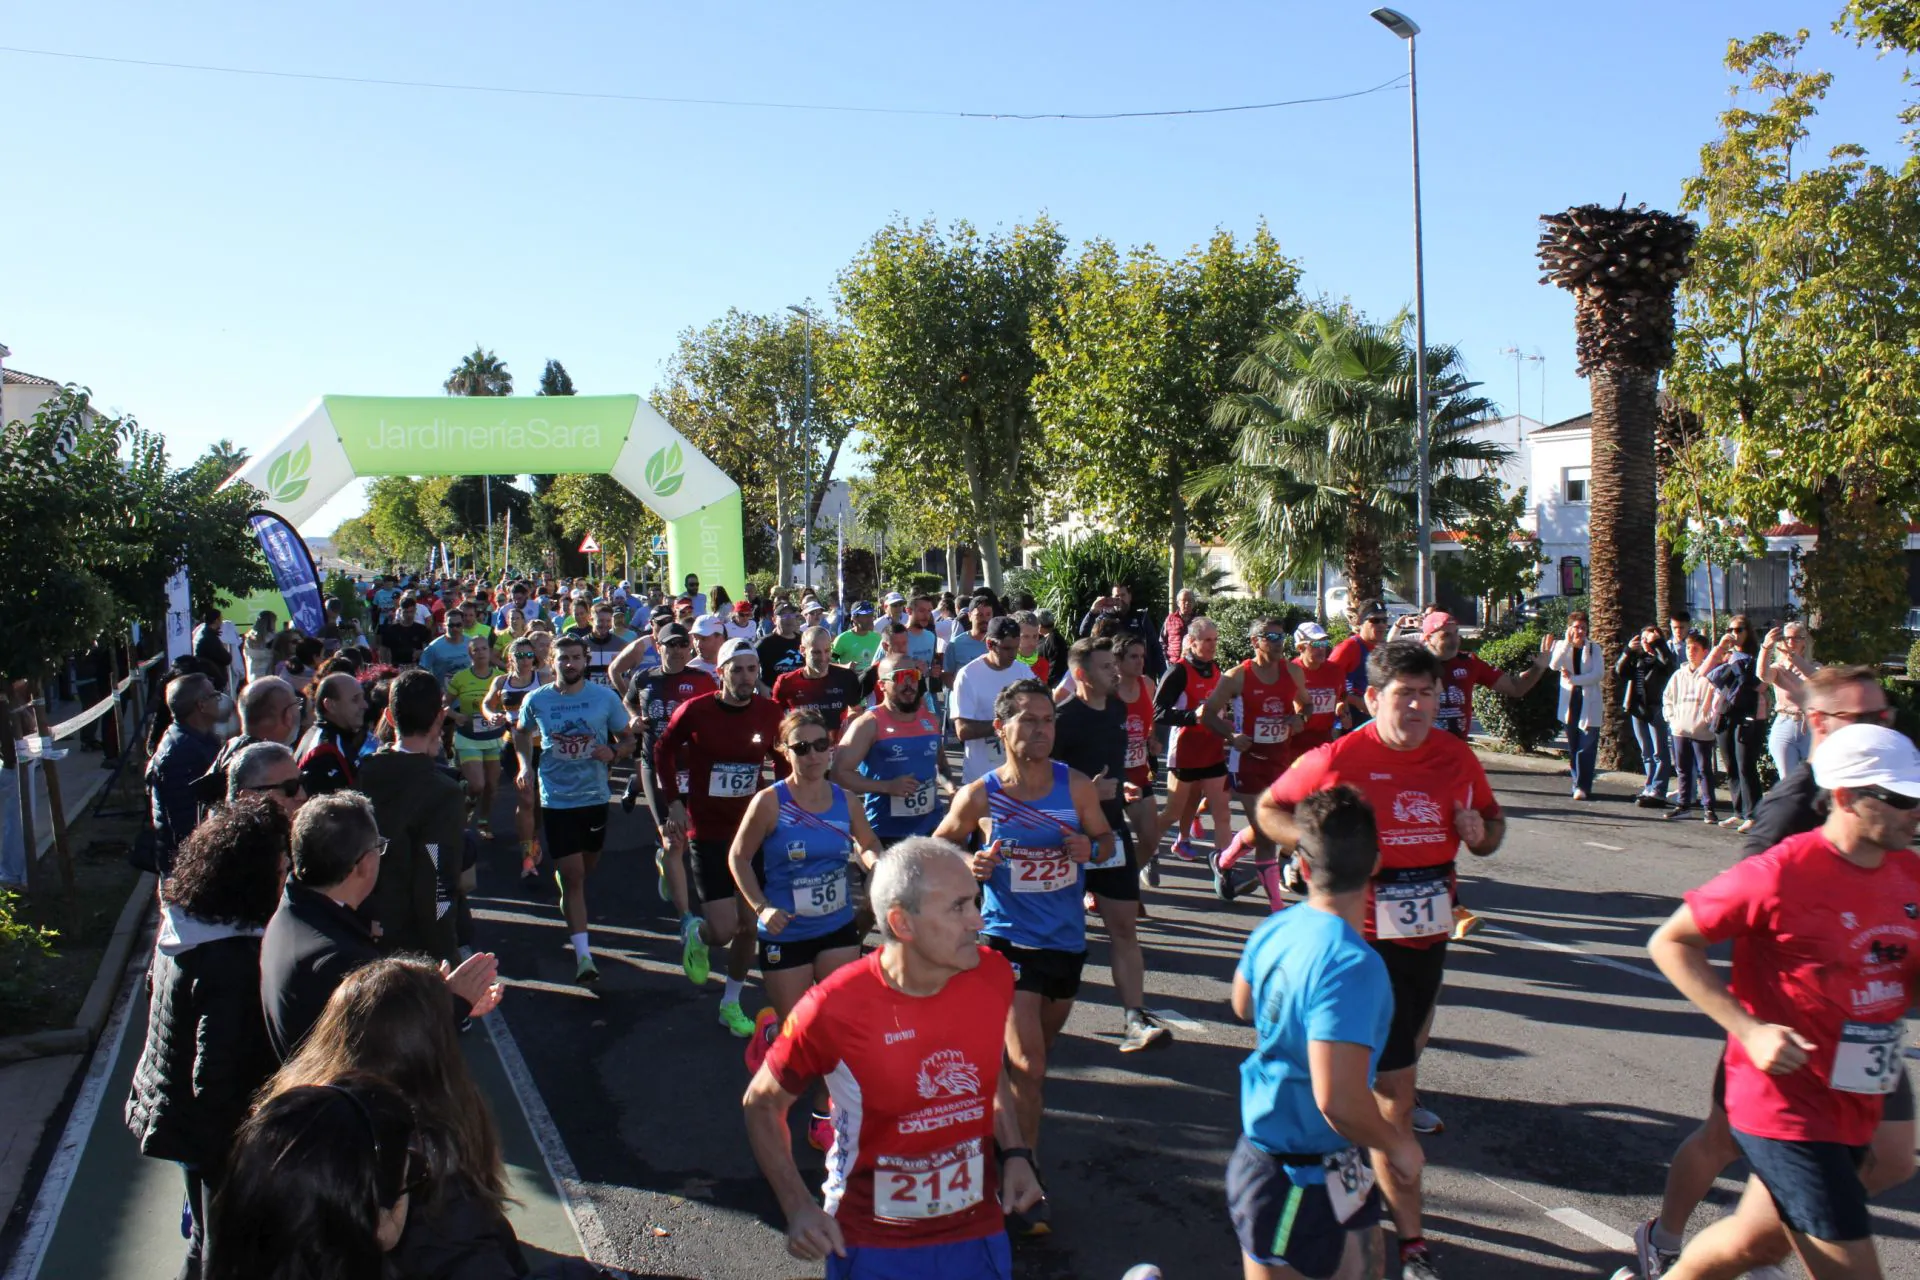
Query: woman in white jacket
1577 659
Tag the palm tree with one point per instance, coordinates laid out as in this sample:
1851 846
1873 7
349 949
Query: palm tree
1622 266
1327 449
480 373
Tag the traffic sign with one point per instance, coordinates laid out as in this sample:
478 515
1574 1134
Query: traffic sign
659 545
588 546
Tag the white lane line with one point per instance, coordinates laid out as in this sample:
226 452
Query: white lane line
1651 975
1593 1229
1177 1021
595 1243
1610 848
58 1181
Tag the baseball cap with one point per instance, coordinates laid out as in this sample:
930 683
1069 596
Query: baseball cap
1003 627
894 597
862 609
1370 609
1309 633
813 606
671 631
1868 755
580 593
708 625
786 607
1434 622
736 648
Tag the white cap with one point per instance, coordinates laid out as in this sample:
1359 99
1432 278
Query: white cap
708 624
894 597
1868 755
733 649
1308 633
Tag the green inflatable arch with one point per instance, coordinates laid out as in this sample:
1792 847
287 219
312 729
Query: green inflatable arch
342 438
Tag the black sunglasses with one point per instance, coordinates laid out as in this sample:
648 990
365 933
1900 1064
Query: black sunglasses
290 788
1892 799
678 643
809 747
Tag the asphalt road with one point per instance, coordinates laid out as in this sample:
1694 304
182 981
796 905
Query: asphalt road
1565 1068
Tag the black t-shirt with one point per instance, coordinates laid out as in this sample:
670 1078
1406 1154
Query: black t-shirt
1796 804
778 655
405 640
1090 740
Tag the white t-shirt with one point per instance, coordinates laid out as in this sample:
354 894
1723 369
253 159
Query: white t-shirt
740 630
974 690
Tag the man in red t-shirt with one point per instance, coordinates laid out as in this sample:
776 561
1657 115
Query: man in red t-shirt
1462 673
1826 962
1369 622
1429 796
927 1153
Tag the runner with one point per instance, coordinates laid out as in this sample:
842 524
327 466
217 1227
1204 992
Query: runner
818 684
583 729
1429 795
927 1148
976 692
791 861
1349 658
478 734
1135 692
503 700
652 698
1300 1191
1090 735
854 647
891 755
1040 824
1834 698
1826 962
1273 703
1196 754
709 637
780 651
603 646
725 738
448 652
1326 686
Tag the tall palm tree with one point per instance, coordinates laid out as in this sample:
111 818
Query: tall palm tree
479 373
1622 266
1326 454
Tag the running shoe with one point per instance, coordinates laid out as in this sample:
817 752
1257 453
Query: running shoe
1183 849
1194 831
1425 1121
660 864
1464 923
1222 878
585 972
1150 874
735 1019
1290 878
530 869
1731 820
1417 1264
1744 827
1710 819
627 800
766 1025
1650 1261
1141 1031
820 1132
1677 812
694 961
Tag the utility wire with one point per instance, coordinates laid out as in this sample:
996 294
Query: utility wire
446 86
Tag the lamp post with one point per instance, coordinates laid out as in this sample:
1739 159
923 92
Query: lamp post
1406 28
806 445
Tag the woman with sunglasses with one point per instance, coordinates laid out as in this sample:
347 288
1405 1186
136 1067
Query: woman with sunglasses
504 696
323 1180
791 860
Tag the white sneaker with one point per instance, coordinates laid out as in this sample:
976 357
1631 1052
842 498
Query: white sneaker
1425 1121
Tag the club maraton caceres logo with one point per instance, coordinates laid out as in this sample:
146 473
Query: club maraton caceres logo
664 471
287 475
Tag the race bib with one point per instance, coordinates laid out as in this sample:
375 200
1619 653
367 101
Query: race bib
1418 906
480 726
820 897
1035 872
1267 732
996 751
1868 1059
1349 1182
1322 700
733 781
915 804
914 1188
1136 754
575 746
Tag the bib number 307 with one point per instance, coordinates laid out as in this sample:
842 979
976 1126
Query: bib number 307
1868 1059
912 1188
1417 907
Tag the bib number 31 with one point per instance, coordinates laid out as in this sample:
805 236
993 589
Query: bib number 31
1417 907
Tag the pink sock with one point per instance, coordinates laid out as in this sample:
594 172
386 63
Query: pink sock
1270 881
1241 846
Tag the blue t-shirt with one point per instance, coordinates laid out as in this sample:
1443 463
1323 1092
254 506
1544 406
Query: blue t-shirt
1313 978
923 646
962 649
445 656
571 725
1036 896
804 863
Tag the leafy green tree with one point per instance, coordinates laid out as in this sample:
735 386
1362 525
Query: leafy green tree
1498 559
554 380
941 365
353 541
1137 352
479 373
464 509
395 521
604 507
1325 448
1798 346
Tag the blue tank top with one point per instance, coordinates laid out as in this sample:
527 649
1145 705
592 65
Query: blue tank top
1035 897
904 748
804 867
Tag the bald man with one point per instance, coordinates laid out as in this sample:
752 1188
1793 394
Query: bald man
330 751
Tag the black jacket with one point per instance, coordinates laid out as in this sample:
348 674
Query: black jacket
423 812
329 758
182 757
1795 804
207 1049
312 943
1644 679
465 1237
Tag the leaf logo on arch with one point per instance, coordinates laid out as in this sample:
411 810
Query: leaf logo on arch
664 471
287 475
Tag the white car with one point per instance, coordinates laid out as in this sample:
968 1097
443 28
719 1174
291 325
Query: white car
1397 605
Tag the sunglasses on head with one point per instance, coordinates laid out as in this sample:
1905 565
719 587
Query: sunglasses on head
290 788
1892 799
808 747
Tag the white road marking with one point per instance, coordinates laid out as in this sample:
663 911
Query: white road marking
1610 848
1177 1021
1592 1228
1651 975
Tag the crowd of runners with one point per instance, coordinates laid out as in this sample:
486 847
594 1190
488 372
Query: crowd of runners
919 931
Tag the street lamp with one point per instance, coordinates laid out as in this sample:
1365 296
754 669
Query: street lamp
806 446
1406 28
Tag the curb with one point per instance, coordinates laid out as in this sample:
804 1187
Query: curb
85 1031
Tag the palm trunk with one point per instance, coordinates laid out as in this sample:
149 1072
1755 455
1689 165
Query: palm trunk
1669 580
1620 520
1363 566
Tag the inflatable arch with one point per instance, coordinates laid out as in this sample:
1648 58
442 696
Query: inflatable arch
342 438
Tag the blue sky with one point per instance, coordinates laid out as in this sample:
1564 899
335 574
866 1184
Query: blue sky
212 251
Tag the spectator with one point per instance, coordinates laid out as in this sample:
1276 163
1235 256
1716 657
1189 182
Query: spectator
186 751
269 712
421 811
210 646
1052 649
206 1049
330 750
1743 721
267 769
1173 632
321 1185
1577 658
1786 663
256 645
1692 704
1644 667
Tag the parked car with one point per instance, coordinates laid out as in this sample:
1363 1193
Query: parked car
1397 605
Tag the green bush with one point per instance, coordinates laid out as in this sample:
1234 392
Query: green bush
918 583
22 992
1904 697
353 605
1913 661
1553 615
1067 575
760 585
1522 723
1236 616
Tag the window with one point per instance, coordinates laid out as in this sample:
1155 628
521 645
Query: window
1574 483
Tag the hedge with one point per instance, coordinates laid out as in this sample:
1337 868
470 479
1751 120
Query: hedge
1522 723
